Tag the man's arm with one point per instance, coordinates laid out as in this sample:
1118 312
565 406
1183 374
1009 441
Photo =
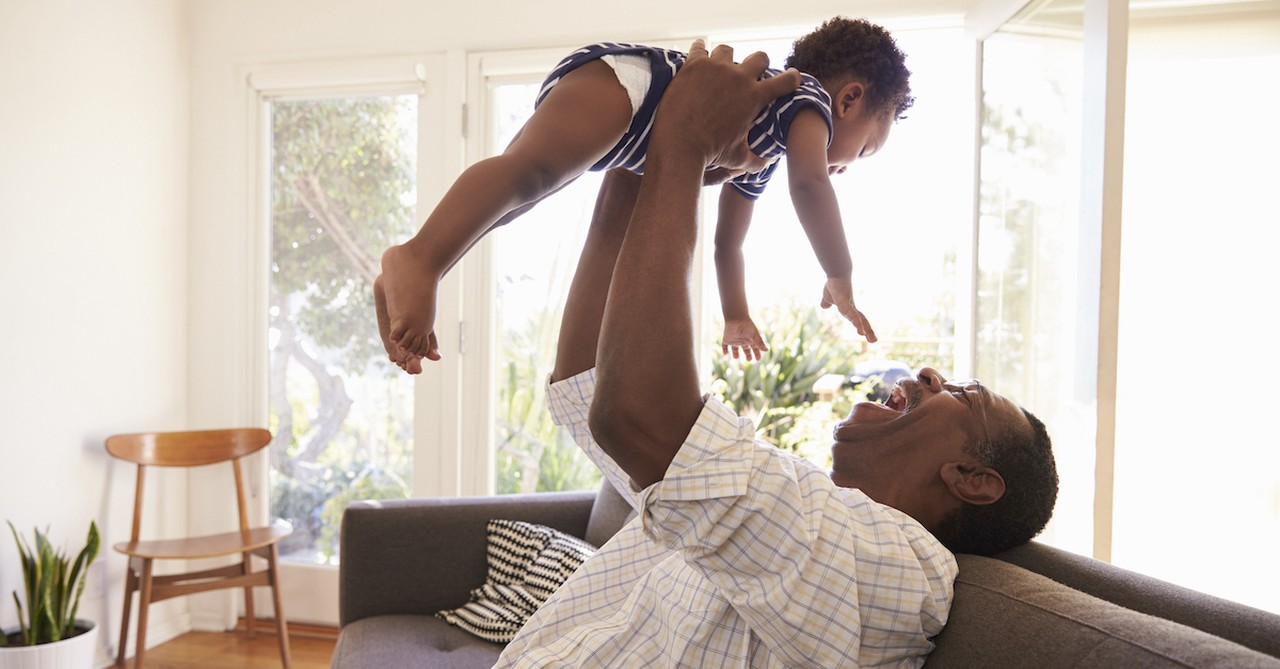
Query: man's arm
647 391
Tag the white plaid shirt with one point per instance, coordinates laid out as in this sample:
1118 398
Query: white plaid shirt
742 556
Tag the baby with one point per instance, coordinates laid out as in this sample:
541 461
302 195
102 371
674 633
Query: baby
594 112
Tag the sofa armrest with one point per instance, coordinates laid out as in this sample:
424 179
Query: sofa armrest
419 556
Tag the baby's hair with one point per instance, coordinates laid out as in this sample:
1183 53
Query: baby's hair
843 46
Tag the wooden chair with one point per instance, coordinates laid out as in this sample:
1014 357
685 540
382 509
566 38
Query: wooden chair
189 449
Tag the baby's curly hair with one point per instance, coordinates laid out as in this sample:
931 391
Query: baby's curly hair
843 46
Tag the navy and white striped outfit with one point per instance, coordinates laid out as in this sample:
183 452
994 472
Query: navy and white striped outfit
767 136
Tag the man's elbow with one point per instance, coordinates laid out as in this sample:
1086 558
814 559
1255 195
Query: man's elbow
621 431
602 419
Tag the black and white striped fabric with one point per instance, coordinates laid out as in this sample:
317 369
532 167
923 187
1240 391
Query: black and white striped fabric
527 562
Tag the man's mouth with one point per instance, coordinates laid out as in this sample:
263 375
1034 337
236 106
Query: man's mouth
897 399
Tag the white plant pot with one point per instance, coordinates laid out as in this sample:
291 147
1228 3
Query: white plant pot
74 653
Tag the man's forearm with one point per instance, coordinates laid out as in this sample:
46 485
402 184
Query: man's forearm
647 393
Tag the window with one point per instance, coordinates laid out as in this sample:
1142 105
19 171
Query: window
345 155
343 186
534 260
1029 341
1197 456
1194 487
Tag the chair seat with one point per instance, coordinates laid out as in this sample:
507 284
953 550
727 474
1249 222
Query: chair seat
213 545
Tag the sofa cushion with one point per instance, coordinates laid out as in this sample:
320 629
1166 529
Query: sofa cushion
411 642
1004 616
527 562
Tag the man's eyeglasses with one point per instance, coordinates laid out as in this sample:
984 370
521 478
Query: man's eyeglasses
963 387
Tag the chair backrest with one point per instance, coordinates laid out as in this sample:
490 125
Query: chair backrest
188 449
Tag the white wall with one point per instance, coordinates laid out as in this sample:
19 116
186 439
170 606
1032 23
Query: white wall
93 269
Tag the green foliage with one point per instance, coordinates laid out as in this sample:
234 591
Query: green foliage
53 585
805 344
533 454
343 190
777 390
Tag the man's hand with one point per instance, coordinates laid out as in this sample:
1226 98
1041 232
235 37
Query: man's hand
839 293
709 106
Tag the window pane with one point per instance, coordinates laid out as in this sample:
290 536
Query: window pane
1028 340
534 258
342 189
1197 490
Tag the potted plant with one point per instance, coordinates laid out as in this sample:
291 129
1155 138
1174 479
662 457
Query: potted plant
48 632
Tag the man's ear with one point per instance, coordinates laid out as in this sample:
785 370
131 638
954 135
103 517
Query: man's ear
973 483
849 99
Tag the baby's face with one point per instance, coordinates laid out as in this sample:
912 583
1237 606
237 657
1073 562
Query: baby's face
857 137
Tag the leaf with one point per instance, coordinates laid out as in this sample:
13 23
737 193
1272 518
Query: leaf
83 560
50 579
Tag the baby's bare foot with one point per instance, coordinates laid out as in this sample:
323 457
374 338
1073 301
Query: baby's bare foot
395 353
408 287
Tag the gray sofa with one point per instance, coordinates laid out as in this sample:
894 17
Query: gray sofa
1033 606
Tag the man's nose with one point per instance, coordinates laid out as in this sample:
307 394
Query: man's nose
931 379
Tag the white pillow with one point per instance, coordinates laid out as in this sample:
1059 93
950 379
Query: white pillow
527 562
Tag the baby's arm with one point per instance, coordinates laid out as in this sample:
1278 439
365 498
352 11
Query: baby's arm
815 202
740 333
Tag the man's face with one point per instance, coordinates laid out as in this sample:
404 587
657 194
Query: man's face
893 451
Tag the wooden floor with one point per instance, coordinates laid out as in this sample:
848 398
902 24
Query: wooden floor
310 648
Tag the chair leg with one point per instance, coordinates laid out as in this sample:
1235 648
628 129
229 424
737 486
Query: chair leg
130 587
282 628
249 620
144 604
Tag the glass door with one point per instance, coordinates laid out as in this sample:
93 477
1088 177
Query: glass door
343 175
1030 340
1197 457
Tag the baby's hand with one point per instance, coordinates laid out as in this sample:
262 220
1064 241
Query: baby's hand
741 335
839 292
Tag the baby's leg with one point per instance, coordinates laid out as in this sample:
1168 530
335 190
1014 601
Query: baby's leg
579 121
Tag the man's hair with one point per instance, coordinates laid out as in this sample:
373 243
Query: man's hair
842 47
1031 489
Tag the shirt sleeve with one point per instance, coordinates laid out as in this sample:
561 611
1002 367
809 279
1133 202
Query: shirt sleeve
569 401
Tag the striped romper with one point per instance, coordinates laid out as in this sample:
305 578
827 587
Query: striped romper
767 137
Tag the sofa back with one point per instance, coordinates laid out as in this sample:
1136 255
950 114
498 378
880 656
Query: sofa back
608 514
1242 624
1006 617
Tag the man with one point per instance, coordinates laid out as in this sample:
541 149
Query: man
743 556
